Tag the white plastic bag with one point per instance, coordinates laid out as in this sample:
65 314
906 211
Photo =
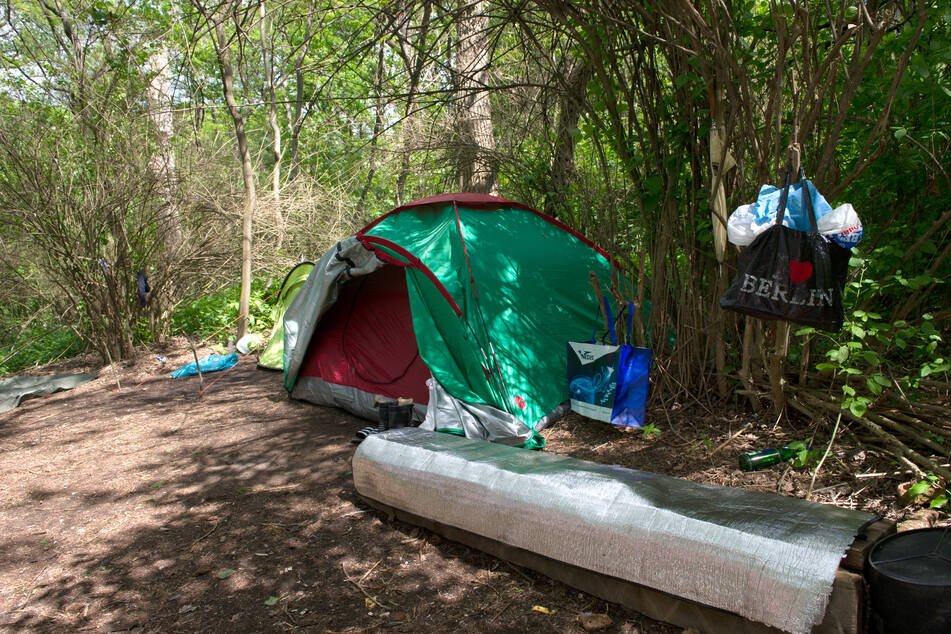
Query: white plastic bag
740 227
842 226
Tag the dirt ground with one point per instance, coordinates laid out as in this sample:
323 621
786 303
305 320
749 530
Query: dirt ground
131 503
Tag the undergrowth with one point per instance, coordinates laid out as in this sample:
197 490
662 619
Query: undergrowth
214 316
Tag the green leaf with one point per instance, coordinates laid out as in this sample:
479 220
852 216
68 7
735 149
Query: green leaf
808 330
873 387
900 132
224 574
919 488
858 408
849 390
940 501
869 357
823 367
271 601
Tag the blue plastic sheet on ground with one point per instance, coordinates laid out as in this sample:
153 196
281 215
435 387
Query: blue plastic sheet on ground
211 363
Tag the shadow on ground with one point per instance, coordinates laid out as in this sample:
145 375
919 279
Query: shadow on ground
148 508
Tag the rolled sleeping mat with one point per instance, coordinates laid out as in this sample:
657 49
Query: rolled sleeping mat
768 558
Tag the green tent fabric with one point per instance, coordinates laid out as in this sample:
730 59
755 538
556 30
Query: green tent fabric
522 285
494 288
273 354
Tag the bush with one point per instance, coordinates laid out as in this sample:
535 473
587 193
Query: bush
214 316
36 346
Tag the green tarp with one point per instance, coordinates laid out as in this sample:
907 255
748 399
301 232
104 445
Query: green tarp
15 389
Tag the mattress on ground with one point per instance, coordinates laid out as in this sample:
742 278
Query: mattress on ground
766 557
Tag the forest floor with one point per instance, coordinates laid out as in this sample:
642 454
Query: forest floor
131 503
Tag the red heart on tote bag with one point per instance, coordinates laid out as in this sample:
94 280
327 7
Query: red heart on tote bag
799 271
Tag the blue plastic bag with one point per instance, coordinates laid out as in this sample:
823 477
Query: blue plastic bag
610 382
764 209
211 363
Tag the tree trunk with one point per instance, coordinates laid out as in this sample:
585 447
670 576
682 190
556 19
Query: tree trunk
163 168
247 171
377 127
478 171
162 161
563 170
413 59
270 97
300 112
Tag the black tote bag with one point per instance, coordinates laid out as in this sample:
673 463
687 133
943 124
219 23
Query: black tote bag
792 275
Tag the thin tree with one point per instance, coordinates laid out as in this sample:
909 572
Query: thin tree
215 20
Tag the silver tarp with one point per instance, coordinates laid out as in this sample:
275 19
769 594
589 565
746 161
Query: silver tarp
478 420
766 557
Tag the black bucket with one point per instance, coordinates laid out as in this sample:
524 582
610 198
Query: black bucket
909 579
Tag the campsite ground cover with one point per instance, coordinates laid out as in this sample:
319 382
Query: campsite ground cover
131 503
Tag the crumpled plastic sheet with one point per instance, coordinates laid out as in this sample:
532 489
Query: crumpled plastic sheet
766 557
211 363
478 420
14 389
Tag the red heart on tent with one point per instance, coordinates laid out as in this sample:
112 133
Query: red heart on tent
799 271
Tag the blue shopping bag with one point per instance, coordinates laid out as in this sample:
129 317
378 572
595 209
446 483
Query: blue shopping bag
609 382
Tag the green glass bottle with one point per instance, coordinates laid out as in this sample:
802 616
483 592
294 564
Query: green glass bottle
766 458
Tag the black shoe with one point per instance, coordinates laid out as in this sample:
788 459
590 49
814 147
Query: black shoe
400 416
363 434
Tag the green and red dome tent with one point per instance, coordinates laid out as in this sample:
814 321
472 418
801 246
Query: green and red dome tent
478 292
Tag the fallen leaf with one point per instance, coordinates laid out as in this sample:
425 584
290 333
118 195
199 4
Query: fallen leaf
543 610
370 603
224 574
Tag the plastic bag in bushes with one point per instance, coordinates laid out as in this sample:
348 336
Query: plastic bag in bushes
609 383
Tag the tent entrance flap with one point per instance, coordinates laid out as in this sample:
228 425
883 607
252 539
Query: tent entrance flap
366 339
